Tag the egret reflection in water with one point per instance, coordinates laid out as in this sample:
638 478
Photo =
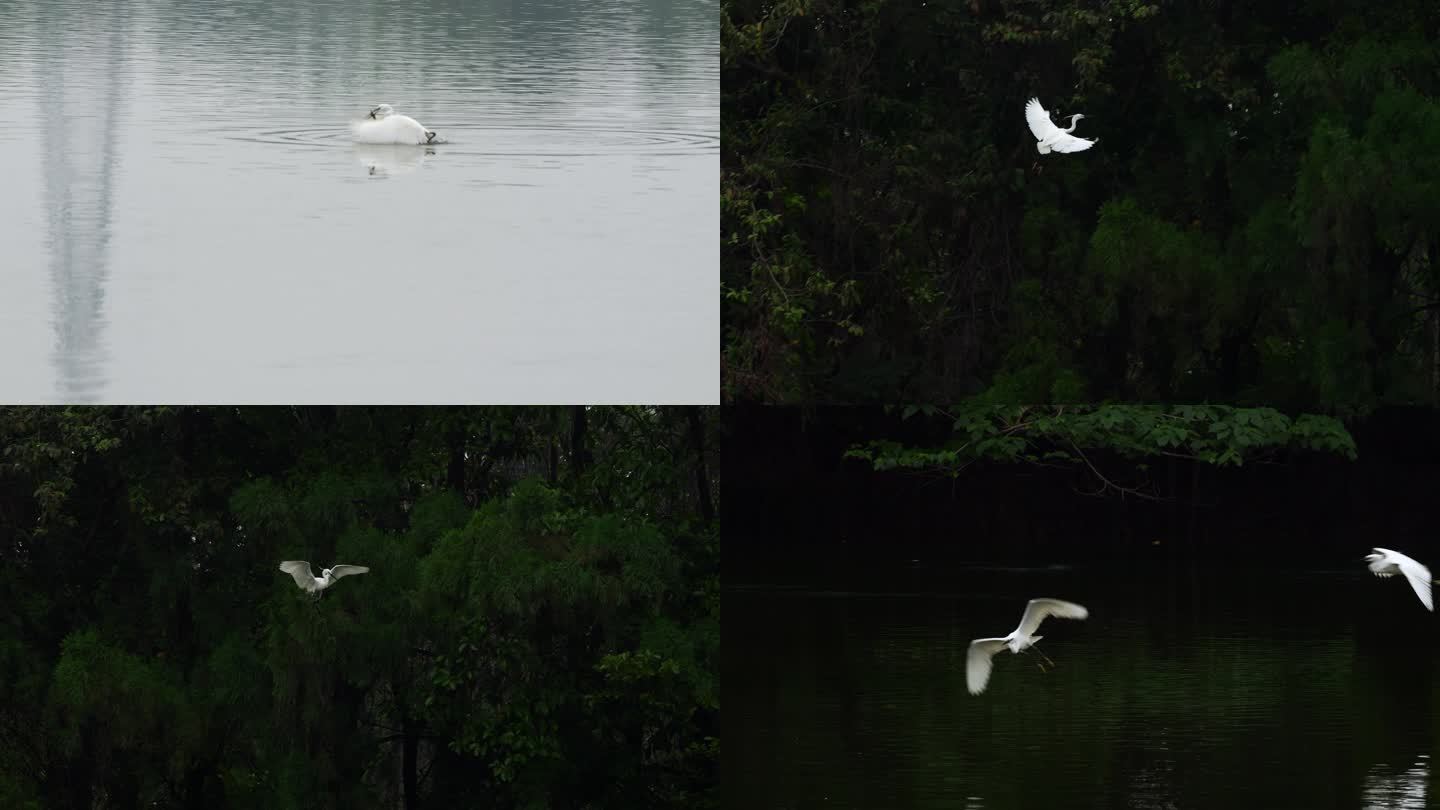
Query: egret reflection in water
1388 789
390 159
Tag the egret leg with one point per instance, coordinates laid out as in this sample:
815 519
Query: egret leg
1040 665
1047 658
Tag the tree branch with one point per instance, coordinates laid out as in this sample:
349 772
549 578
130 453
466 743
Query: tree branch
1108 484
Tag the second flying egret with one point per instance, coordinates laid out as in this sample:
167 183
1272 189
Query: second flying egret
306 579
977 660
1387 563
1052 138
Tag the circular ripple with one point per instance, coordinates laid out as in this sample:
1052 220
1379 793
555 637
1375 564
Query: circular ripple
518 141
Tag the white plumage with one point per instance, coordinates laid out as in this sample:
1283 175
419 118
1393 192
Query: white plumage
977 659
385 126
1052 138
1387 563
306 579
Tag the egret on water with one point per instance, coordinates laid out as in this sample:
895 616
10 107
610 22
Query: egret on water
977 660
387 126
306 579
1387 563
1052 138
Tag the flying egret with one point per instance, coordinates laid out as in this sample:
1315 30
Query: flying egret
306 579
1387 563
387 126
1052 138
977 660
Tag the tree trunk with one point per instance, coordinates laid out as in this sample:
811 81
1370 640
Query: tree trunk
75 780
455 471
1434 356
579 454
409 764
1117 348
702 473
1191 533
194 791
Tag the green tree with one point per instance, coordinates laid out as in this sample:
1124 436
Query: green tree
541 607
1257 224
1214 435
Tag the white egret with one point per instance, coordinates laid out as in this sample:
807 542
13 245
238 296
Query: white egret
1052 138
306 579
387 126
1387 563
977 660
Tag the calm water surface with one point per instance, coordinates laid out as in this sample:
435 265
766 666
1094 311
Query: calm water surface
1184 689
184 217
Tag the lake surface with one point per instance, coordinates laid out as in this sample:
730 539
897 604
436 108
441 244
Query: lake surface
184 217
1184 689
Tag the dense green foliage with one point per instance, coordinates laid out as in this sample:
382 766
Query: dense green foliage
540 626
1259 223
1216 435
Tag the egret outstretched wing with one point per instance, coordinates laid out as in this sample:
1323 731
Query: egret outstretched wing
1065 142
1417 574
1039 121
346 570
1038 609
978 662
1052 138
300 570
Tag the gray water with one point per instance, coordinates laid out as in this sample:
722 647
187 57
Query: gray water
1184 689
184 217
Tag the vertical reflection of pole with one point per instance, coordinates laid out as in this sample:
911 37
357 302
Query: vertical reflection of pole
81 79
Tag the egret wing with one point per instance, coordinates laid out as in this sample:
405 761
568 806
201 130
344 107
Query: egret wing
978 663
1069 143
1039 120
346 570
1419 577
300 570
1038 609
1385 566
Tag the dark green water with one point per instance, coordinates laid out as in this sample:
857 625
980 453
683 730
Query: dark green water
1184 689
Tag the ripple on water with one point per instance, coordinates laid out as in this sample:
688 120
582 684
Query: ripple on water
526 141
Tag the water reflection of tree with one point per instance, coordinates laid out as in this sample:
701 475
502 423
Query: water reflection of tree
83 82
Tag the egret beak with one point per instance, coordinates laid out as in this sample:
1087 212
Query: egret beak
372 112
